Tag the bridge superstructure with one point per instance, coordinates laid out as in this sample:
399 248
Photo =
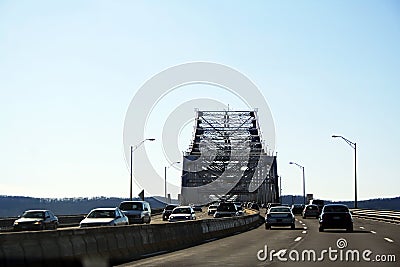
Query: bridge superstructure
228 160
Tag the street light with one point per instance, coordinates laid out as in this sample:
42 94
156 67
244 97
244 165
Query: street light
354 146
165 178
133 148
304 182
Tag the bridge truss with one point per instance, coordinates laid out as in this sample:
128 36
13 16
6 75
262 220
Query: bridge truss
227 160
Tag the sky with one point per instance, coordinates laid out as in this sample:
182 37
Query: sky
70 69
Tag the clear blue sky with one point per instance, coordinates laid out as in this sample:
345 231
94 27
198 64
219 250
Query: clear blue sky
69 69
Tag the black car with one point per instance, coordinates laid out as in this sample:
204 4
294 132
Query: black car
167 211
297 208
226 209
36 220
335 216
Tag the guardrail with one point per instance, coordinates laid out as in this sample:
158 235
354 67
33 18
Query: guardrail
103 246
378 215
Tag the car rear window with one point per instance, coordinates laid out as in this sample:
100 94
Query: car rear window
279 210
336 209
312 207
226 207
131 206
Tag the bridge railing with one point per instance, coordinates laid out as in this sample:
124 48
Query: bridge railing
379 215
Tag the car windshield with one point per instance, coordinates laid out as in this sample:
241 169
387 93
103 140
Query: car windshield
279 210
130 206
102 214
33 214
336 209
181 211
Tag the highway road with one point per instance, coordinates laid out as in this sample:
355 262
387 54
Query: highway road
382 239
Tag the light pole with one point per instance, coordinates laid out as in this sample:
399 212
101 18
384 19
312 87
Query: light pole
354 146
165 178
304 181
133 148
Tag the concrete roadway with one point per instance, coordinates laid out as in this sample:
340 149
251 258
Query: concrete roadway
241 249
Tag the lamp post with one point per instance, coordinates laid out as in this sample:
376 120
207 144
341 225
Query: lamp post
165 178
304 181
133 148
354 146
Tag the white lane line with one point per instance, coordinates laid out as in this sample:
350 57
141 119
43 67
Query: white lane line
298 238
362 227
305 228
304 232
373 232
388 240
300 222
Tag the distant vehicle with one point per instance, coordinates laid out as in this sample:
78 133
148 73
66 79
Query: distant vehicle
335 216
212 209
182 213
104 217
239 209
36 220
279 216
254 206
167 211
226 209
310 210
136 211
297 208
320 203
197 208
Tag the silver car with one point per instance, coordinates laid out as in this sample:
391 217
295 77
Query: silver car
279 216
104 217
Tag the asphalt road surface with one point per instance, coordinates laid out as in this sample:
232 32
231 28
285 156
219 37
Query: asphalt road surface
381 239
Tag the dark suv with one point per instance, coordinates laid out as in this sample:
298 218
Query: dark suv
335 216
226 209
167 211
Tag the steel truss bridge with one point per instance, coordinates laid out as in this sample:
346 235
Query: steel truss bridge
227 160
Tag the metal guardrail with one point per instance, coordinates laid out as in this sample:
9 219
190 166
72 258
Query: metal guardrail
378 215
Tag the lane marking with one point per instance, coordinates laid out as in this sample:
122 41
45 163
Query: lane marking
362 227
298 238
304 232
373 232
388 240
305 228
300 222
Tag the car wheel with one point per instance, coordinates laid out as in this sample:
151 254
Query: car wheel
267 226
304 216
55 226
293 226
321 229
350 229
43 227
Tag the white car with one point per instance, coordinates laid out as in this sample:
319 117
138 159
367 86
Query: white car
279 216
182 213
104 217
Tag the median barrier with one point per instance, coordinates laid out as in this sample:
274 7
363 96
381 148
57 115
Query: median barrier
103 246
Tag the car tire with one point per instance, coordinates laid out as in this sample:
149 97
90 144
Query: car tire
293 226
55 226
350 229
321 229
304 216
149 220
267 227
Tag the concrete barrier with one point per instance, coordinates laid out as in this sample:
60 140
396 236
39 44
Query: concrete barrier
103 246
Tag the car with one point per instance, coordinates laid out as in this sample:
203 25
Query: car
335 216
167 211
182 213
297 208
226 209
310 210
254 206
239 208
197 208
320 203
136 211
104 217
279 216
36 220
212 209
